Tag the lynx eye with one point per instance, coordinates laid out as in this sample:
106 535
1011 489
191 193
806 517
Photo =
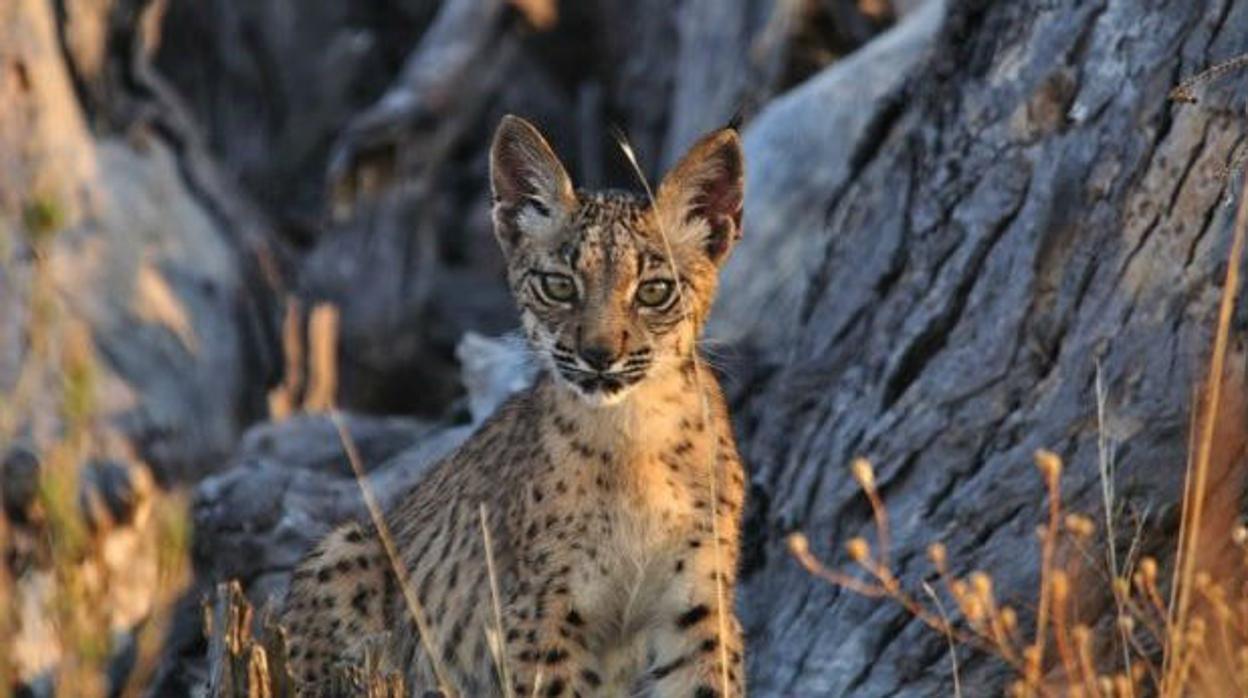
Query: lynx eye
558 287
655 293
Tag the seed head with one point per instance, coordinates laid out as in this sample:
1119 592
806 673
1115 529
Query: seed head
1122 587
1081 634
982 584
1080 525
1061 585
1049 463
859 550
863 473
1009 618
798 544
973 609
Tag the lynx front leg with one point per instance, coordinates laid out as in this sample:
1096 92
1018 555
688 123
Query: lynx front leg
695 655
547 648
699 652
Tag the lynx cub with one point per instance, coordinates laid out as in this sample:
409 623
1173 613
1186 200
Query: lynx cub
599 481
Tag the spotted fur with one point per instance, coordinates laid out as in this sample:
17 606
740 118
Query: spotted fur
599 482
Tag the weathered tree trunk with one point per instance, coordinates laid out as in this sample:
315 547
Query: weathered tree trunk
933 280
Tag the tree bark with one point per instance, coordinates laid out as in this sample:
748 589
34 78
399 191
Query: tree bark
1021 209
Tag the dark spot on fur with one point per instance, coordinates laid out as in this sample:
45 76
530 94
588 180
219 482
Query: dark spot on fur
692 616
360 601
663 670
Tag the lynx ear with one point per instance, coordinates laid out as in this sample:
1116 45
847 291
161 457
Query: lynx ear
699 201
533 194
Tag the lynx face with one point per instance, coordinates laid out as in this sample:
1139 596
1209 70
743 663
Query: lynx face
612 290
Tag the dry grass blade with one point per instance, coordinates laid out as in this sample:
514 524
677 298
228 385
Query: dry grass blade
1105 467
799 547
414 607
497 647
721 612
953 647
1050 466
1194 496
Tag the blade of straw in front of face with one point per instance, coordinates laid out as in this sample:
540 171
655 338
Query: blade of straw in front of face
721 612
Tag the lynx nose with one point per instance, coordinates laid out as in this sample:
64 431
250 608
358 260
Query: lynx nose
598 357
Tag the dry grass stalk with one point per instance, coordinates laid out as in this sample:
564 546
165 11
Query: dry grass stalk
1105 466
414 607
1195 496
947 627
721 602
1202 630
497 635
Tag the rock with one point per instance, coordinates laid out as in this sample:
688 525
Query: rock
493 369
290 482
